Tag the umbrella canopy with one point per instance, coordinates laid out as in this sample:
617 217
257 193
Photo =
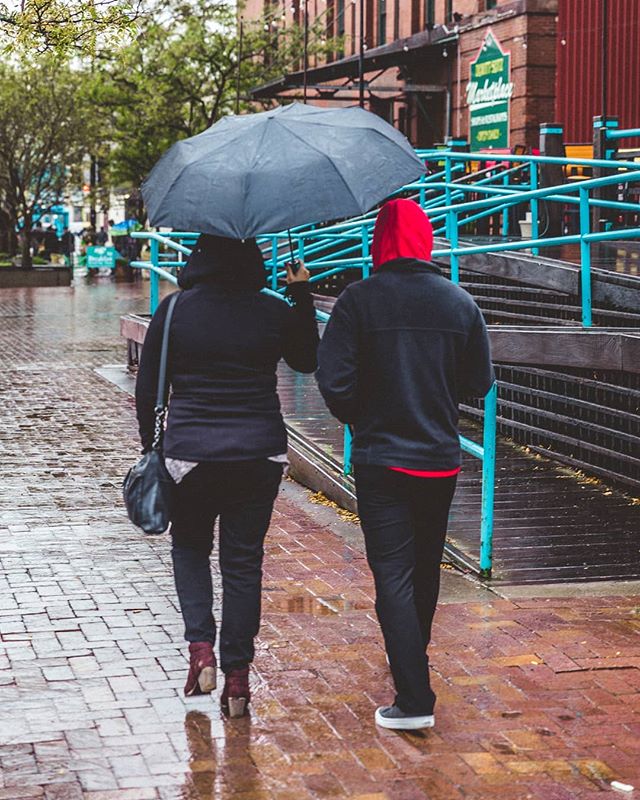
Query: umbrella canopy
295 165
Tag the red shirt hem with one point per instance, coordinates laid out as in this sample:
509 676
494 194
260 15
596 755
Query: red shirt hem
421 473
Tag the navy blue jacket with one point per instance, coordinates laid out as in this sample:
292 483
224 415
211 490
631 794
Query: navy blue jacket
399 352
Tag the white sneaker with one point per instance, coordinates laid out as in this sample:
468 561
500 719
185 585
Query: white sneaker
393 718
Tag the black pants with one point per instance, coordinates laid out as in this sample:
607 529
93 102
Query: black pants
404 520
242 495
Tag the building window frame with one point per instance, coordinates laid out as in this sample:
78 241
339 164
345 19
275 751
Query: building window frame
448 11
429 12
382 22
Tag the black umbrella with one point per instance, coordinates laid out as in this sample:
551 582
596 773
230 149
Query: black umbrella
262 173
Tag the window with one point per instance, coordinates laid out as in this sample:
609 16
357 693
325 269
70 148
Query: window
430 12
382 21
353 27
340 18
448 11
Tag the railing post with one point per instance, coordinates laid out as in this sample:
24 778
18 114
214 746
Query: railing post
301 248
452 225
585 258
488 480
604 149
447 191
533 171
365 251
348 439
274 263
551 144
423 192
154 279
505 211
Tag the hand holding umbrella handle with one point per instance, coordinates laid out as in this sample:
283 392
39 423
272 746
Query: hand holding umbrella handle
297 272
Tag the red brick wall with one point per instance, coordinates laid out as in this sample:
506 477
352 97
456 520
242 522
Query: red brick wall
531 40
526 28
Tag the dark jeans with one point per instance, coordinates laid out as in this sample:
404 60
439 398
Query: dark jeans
404 520
242 495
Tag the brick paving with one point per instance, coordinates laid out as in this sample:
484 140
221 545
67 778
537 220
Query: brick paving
538 698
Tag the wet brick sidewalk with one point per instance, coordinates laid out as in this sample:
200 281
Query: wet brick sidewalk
538 698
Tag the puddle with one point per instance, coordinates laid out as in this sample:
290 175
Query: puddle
306 604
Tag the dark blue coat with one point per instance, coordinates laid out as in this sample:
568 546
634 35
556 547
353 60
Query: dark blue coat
400 351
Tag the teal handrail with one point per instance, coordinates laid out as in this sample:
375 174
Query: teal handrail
628 133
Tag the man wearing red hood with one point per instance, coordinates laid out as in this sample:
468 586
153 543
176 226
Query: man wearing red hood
399 352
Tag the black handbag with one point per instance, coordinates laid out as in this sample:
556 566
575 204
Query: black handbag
148 487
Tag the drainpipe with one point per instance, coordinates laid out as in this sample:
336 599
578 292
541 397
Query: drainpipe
448 109
459 89
306 50
361 56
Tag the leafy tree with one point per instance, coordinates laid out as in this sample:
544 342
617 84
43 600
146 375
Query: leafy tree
42 140
180 76
64 25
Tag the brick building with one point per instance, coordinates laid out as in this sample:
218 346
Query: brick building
420 56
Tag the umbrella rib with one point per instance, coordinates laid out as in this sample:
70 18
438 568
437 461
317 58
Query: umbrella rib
324 155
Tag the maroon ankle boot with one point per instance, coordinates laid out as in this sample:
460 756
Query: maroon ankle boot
202 669
236 694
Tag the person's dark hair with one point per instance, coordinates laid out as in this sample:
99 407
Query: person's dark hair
232 263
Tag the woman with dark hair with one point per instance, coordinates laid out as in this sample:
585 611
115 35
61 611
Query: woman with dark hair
225 442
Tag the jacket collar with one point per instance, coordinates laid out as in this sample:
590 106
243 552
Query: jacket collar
409 265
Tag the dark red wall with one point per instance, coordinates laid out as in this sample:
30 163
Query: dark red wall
578 81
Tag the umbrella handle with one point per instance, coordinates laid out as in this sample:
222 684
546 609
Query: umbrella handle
293 257
295 263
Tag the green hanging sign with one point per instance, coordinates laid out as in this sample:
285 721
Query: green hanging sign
101 257
489 96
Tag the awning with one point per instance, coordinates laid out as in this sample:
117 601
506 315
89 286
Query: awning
397 53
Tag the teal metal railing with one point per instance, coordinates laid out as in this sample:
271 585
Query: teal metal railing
511 181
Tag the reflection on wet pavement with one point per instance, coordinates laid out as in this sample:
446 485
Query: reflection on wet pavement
305 604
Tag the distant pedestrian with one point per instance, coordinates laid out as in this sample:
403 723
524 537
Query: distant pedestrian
225 442
68 245
37 239
88 237
51 243
102 236
400 351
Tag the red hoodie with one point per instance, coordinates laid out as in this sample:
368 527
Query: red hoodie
403 230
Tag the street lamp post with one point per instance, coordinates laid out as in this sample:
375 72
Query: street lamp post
240 55
305 56
604 64
361 56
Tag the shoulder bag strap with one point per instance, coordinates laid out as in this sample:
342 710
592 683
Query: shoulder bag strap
161 395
